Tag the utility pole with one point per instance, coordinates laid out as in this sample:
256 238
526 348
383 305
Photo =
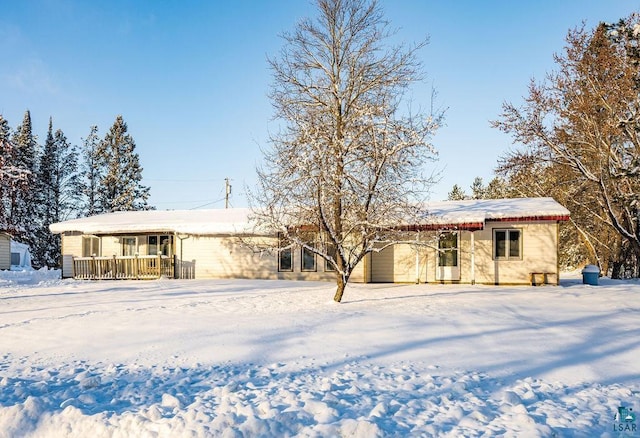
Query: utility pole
227 187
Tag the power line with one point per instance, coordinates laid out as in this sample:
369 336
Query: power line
184 202
207 204
180 180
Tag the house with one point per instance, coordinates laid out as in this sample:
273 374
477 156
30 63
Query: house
488 241
20 256
499 241
5 251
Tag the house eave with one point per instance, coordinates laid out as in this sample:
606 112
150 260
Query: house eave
540 218
464 226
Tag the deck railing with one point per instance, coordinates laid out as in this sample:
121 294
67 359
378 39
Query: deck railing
129 268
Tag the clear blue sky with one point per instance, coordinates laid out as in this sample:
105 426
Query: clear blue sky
191 80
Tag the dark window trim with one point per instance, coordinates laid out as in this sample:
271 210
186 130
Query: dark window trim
158 247
508 256
302 260
281 252
331 251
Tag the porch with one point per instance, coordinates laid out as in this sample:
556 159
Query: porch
132 268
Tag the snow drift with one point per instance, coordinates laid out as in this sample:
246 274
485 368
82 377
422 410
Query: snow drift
273 358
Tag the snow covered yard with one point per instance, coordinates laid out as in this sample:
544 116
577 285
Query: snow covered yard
239 358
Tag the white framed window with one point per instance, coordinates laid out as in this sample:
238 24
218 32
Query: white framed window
90 246
448 249
129 246
507 244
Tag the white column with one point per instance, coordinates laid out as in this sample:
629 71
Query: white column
418 257
473 258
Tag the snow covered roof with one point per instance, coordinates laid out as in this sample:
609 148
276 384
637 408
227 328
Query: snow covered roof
472 214
199 222
458 214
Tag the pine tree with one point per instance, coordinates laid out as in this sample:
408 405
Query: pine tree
478 190
12 177
59 192
23 204
120 186
497 189
93 172
457 193
45 198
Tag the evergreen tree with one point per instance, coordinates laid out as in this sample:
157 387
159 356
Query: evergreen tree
456 194
120 186
44 197
12 177
93 172
497 189
23 203
478 190
59 192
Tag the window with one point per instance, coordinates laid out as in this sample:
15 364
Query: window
153 245
129 246
507 244
331 251
160 245
308 260
285 256
90 246
448 249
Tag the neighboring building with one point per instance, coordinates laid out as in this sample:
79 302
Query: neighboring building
500 241
5 251
20 256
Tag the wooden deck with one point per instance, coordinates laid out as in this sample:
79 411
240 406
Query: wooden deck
131 268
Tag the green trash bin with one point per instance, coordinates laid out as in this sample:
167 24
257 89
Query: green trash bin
590 275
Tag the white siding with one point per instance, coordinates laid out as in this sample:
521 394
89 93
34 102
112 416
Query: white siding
228 257
5 251
539 254
397 264
110 246
71 247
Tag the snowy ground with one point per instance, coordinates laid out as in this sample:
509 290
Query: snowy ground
172 358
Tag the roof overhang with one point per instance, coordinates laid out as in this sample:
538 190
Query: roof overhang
552 218
464 226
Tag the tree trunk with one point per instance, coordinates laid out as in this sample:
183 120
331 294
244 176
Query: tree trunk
340 289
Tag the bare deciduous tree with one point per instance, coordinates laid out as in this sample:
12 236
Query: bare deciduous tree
348 165
585 119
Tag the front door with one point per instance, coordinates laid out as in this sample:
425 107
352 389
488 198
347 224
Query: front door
448 257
